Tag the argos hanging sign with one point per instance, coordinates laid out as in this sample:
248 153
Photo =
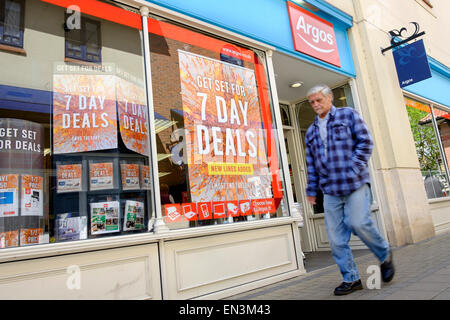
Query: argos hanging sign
313 35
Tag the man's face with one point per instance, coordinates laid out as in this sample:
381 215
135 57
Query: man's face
320 103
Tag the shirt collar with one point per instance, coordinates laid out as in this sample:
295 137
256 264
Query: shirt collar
329 115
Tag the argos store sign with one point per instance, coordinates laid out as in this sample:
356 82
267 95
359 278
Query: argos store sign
313 35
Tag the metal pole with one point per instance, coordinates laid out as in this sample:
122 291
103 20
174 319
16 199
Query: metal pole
160 225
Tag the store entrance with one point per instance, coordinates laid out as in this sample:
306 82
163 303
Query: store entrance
297 115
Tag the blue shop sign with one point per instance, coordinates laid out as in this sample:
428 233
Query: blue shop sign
412 64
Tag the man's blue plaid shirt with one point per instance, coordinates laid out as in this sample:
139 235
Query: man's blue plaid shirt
344 167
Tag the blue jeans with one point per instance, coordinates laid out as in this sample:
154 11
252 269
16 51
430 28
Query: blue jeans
344 215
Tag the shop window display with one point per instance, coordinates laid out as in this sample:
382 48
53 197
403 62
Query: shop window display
216 139
74 136
430 128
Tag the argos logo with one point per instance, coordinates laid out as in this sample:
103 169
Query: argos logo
313 35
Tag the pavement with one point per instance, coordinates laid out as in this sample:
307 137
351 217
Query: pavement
422 273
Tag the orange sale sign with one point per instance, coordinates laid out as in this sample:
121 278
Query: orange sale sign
84 113
32 196
9 195
225 139
133 116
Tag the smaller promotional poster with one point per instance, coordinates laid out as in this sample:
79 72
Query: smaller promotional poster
101 176
134 215
130 176
105 217
32 202
9 239
145 177
9 195
71 227
69 178
133 119
31 236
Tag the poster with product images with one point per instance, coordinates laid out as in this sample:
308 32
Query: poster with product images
225 140
31 236
101 175
9 195
32 197
71 227
105 217
84 108
133 116
9 239
130 176
69 178
145 177
133 216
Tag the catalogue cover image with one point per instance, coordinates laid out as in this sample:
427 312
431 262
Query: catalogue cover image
71 227
105 217
226 138
133 215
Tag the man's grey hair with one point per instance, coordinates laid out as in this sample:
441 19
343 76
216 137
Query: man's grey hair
323 88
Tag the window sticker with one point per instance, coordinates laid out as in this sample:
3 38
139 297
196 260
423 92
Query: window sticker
189 211
172 213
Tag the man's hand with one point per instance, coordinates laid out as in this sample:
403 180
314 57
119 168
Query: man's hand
311 200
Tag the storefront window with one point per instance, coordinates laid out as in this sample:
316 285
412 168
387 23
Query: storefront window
216 141
432 146
74 138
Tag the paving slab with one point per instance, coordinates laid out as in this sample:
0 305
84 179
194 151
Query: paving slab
422 273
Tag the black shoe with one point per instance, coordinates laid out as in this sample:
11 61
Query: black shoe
348 287
387 268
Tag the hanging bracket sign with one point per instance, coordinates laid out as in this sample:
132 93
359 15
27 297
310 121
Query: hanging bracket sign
411 59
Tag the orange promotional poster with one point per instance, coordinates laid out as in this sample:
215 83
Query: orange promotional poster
9 239
32 197
101 176
145 177
133 116
31 236
84 109
69 178
9 195
130 176
225 139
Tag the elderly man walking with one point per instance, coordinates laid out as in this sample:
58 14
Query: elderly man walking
338 148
